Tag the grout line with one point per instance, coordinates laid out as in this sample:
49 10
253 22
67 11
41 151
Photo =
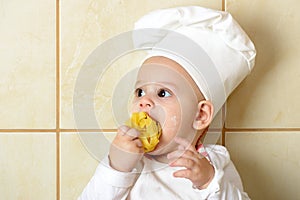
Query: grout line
111 130
58 164
27 130
223 136
88 130
223 118
261 129
57 67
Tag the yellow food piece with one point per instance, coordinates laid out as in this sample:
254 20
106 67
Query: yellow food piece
150 129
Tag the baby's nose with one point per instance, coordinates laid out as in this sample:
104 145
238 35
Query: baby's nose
145 103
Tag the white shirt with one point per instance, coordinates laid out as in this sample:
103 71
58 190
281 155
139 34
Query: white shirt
156 181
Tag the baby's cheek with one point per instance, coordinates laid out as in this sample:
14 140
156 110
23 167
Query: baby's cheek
134 107
171 125
174 121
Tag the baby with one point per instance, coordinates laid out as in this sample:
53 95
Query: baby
184 104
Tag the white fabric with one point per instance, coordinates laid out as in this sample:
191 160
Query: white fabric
157 182
216 32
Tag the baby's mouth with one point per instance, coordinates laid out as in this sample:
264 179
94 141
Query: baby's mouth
149 128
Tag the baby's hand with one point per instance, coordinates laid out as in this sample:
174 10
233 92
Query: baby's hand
198 169
126 149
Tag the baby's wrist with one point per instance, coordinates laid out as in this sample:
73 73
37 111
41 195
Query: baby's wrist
122 167
206 184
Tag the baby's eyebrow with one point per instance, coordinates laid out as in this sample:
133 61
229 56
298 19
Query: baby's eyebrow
138 84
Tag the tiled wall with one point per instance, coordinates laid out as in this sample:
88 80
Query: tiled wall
43 45
263 118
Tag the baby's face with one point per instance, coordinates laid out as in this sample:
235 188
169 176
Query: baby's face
167 93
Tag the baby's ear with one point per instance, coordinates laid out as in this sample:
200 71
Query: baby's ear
204 115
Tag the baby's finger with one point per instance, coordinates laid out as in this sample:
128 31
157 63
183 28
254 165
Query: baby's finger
123 129
129 132
175 154
184 162
183 173
180 147
133 133
138 143
183 143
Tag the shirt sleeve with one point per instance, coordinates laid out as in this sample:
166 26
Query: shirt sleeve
226 183
108 184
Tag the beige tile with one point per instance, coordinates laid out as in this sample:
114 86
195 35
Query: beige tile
27 166
268 163
27 72
78 162
85 25
269 97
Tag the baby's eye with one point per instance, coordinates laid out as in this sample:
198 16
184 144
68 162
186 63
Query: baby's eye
139 92
163 93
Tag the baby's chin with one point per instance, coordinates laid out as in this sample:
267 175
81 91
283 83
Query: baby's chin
163 149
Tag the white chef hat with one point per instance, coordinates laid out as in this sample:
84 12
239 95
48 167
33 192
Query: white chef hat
208 44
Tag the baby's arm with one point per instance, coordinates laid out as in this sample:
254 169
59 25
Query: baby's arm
126 149
108 184
219 180
196 167
115 174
